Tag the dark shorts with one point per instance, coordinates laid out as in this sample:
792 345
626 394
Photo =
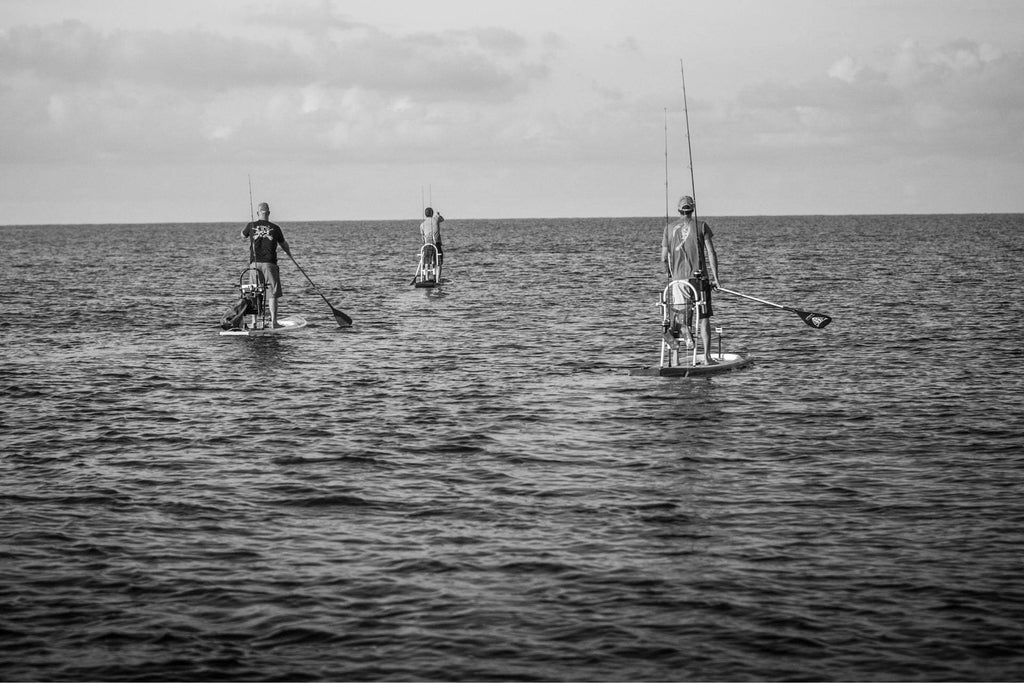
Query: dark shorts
429 255
272 276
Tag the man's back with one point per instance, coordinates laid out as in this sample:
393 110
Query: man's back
430 229
265 237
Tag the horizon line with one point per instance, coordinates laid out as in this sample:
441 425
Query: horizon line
523 218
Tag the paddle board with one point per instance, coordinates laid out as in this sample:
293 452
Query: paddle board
727 362
289 323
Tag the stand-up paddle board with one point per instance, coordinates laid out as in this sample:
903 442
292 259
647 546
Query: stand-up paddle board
727 362
287 324
679 358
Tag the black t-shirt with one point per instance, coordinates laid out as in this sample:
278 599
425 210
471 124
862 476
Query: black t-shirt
265 237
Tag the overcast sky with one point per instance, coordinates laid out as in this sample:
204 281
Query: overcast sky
147 111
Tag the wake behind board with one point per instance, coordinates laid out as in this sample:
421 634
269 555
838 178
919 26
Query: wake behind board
288 324
727 362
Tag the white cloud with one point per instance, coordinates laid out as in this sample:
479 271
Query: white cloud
846 69
915 100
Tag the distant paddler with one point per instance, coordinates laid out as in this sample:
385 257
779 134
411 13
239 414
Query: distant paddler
687 251
430 231
264 238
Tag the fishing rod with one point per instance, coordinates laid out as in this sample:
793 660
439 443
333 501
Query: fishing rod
693 185
689 148
252 218
256 275
816 320
666 167
423 212
419 266
438 254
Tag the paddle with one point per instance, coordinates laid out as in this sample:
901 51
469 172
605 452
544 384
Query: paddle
816 320
342 319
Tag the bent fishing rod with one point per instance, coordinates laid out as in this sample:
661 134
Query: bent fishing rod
693 185
815 320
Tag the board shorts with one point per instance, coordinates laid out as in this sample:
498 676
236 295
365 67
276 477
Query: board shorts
680 300
271 275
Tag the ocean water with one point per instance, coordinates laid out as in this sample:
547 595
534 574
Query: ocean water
467 484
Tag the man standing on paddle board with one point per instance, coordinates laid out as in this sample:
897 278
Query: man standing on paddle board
683 247
430 230
264 237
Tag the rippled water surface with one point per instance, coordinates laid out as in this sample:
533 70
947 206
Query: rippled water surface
466 484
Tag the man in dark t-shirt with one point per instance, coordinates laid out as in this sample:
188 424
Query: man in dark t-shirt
264 237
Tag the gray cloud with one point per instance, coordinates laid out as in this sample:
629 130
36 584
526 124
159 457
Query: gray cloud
71 91
492 63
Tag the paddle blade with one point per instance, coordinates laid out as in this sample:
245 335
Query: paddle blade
815 320
340 317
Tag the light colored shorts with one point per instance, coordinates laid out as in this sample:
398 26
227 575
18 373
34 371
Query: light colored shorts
681 300
272 276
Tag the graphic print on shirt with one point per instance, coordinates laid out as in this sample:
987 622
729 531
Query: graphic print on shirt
684 232
264 240
261 231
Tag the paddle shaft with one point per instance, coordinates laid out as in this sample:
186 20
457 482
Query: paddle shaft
754 298
342 319
815 320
